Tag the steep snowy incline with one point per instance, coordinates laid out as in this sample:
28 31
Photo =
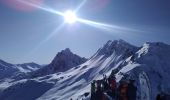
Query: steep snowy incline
80 77
119 47
153 59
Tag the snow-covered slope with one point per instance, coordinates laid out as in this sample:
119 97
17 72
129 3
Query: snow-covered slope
28 67
25 90
110 56
151 59
154 59
8 70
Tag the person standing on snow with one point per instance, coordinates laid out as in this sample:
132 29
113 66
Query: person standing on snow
99 92
93 90
113 85
105 83
122 91
131 90
158 97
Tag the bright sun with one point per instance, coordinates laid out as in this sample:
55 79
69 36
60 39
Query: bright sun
70 16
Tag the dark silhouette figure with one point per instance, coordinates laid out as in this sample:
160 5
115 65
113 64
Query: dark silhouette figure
122 91
158 97
112 84
99 92
131 90
163 96
93 90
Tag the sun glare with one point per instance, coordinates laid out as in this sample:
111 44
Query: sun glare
70 16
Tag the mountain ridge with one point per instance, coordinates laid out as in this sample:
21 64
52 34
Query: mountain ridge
63 61
151 58
11 70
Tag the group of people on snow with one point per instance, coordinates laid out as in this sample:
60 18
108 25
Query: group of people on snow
109 89
162 96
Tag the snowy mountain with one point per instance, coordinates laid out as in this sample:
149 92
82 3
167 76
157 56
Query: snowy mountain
118 47
28 67
154 59
63 61
76 81
149 65
8 70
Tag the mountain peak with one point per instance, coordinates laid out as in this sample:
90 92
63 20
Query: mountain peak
119 42
67 50
65 59
118 46
115 42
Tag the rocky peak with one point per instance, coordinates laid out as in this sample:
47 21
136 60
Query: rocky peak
117 46
65 60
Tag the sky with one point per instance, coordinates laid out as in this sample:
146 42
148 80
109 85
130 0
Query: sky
34 34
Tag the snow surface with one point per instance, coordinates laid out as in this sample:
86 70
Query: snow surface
126 59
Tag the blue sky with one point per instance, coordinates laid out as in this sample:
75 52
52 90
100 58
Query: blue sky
24 32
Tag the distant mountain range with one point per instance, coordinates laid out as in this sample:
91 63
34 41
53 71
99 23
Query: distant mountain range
8 70
69 75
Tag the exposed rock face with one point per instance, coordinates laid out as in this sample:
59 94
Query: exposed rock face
65 60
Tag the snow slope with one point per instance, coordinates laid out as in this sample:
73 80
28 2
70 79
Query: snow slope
28 67
151 58
126 60
110 56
